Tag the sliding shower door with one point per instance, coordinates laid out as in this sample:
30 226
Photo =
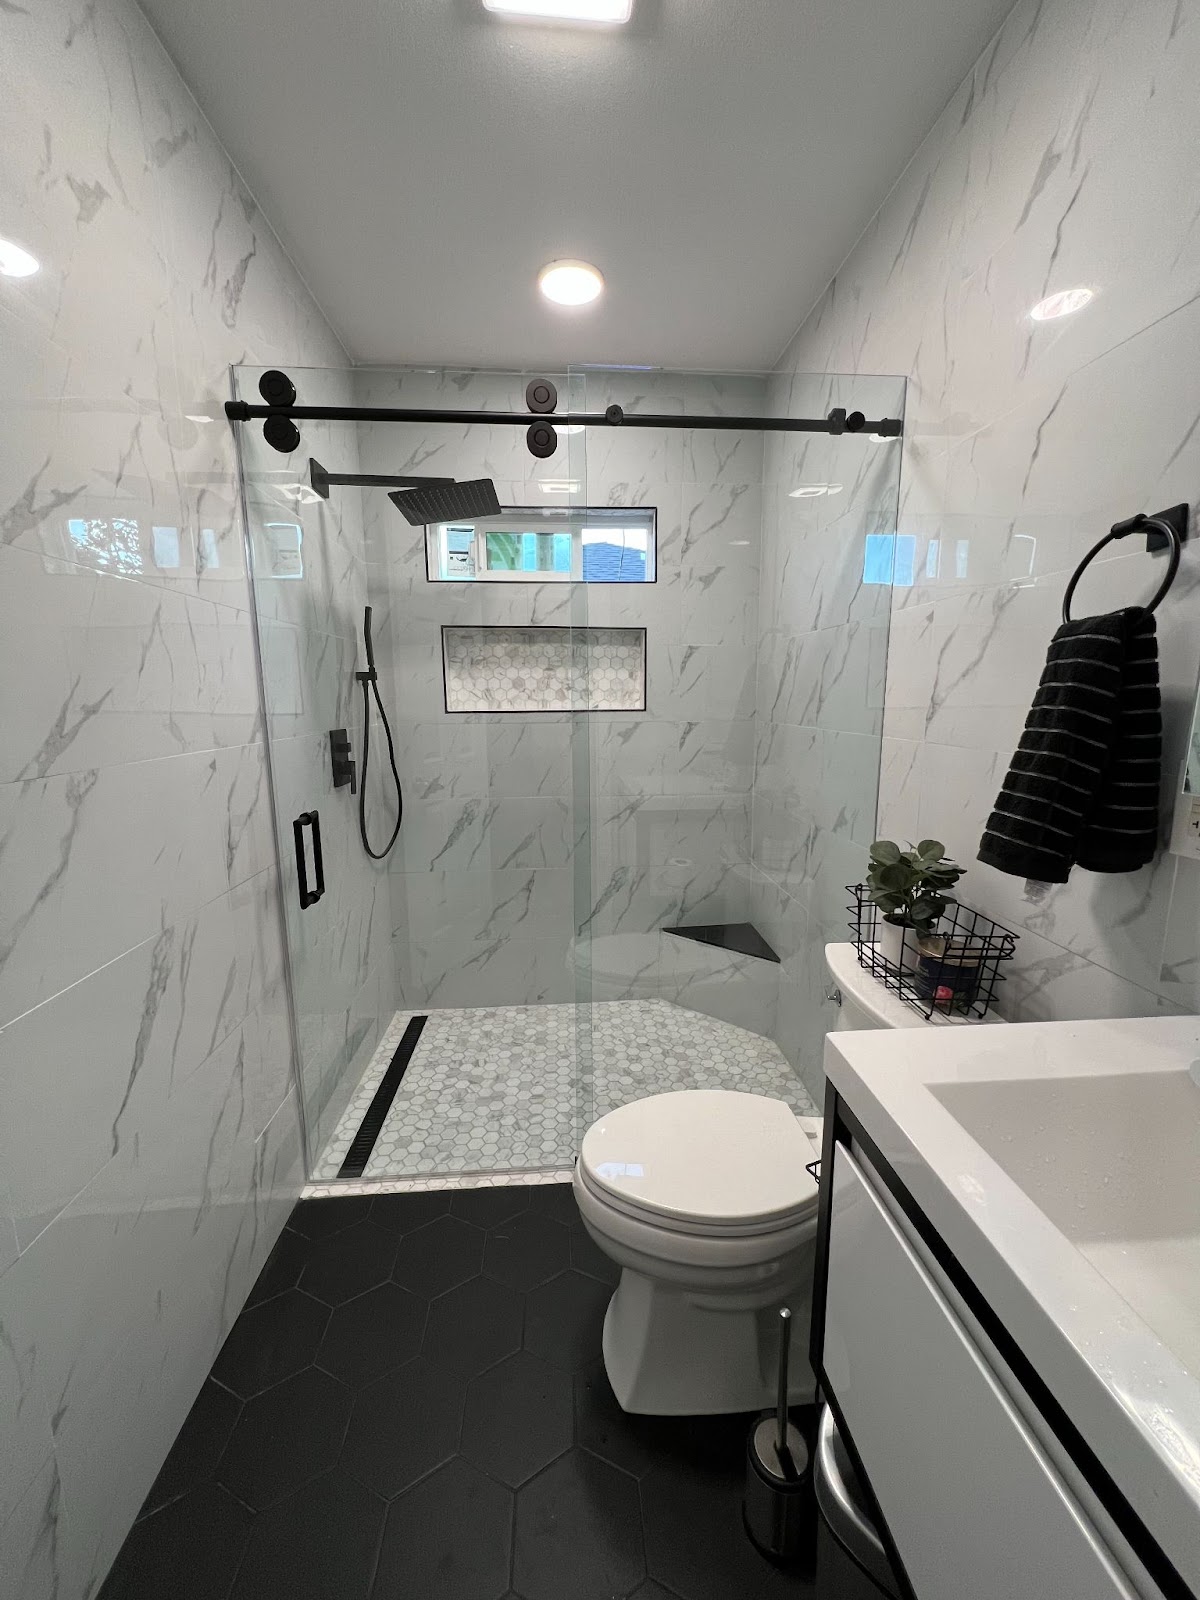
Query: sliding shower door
463 938
311 582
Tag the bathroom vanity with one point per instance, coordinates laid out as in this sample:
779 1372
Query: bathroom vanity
1006 1318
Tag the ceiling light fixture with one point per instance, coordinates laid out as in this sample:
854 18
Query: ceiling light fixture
610 11
570 283
1061 304
15 262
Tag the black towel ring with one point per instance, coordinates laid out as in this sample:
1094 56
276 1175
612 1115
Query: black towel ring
1161 526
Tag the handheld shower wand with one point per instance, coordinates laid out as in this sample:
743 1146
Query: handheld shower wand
370 684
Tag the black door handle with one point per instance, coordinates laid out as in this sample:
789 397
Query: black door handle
308 897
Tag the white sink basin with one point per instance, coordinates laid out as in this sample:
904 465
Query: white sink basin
1114 1163
1060 1162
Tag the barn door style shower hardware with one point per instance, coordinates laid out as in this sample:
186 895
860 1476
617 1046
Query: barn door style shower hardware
280 413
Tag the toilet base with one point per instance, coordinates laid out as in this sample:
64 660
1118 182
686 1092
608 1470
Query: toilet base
669 1352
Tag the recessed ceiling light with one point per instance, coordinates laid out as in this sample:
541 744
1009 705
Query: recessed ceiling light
809 491
570 283
15 262
1061 304
564 10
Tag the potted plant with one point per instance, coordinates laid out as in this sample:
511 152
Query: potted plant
910 888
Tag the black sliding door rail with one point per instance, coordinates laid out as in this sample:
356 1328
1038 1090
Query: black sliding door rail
837 422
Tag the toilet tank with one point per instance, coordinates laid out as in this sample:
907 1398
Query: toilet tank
867 1003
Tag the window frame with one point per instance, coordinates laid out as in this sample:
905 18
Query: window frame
571 520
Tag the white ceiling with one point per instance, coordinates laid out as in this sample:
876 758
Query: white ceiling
717 159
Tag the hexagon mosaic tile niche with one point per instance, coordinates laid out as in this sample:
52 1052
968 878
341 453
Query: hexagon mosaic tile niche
544 669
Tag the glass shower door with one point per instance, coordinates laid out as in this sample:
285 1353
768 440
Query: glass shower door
467 928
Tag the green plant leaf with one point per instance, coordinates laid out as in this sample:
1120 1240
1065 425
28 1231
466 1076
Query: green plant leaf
931 849
885 851
898 877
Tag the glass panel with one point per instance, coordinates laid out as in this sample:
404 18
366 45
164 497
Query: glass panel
468 921
729 815
586 907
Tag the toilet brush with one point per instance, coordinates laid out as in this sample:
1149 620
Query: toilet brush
776 1504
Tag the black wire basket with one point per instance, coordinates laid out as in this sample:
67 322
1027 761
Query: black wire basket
954 968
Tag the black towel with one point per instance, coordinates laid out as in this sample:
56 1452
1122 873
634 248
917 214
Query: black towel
1084 782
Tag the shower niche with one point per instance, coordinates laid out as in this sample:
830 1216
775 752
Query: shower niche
507 670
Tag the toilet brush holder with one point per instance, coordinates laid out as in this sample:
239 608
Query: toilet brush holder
777 1505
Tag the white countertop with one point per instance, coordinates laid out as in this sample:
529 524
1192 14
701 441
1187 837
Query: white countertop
1115 1223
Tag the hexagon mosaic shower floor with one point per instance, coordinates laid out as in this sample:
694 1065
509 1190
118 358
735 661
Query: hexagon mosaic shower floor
512 1088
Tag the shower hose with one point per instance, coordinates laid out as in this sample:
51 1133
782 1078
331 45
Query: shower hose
370 684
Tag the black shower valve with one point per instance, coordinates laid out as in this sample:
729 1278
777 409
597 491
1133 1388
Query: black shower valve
343 763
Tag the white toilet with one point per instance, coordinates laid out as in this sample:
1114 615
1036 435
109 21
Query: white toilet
703 1199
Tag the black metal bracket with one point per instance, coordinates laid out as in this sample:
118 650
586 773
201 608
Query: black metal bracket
1175 516
341 759
322 480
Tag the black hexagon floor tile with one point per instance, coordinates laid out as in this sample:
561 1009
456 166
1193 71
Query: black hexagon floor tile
633 1443
270 1342
555 1200
189 1551
313 1476
349 1263
321 1543
564 1319
198 1446
403 1426
587 1256
439 1256
474 1326
449 1538
526 1251
283 1267
518 1418
369 1336
487 1207
405 1213
284 1437
318 1219
578 1532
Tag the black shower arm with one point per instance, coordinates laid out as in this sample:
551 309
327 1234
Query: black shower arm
838 421
322 480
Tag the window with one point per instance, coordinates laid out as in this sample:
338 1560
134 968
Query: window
603 544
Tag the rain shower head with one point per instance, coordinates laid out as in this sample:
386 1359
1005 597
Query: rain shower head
447 502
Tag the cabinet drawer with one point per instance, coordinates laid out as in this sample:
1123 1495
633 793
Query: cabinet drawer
974 1505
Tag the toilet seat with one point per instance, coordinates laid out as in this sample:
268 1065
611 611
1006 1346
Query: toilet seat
712 1163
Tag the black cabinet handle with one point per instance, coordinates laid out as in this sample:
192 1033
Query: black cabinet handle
308 897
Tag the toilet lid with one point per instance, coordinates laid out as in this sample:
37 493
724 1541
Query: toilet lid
711 1156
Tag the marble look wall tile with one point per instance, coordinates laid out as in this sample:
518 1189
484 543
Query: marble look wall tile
1024 441
513 793
152 1148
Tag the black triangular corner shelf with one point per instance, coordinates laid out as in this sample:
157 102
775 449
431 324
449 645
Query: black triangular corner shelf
742 938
